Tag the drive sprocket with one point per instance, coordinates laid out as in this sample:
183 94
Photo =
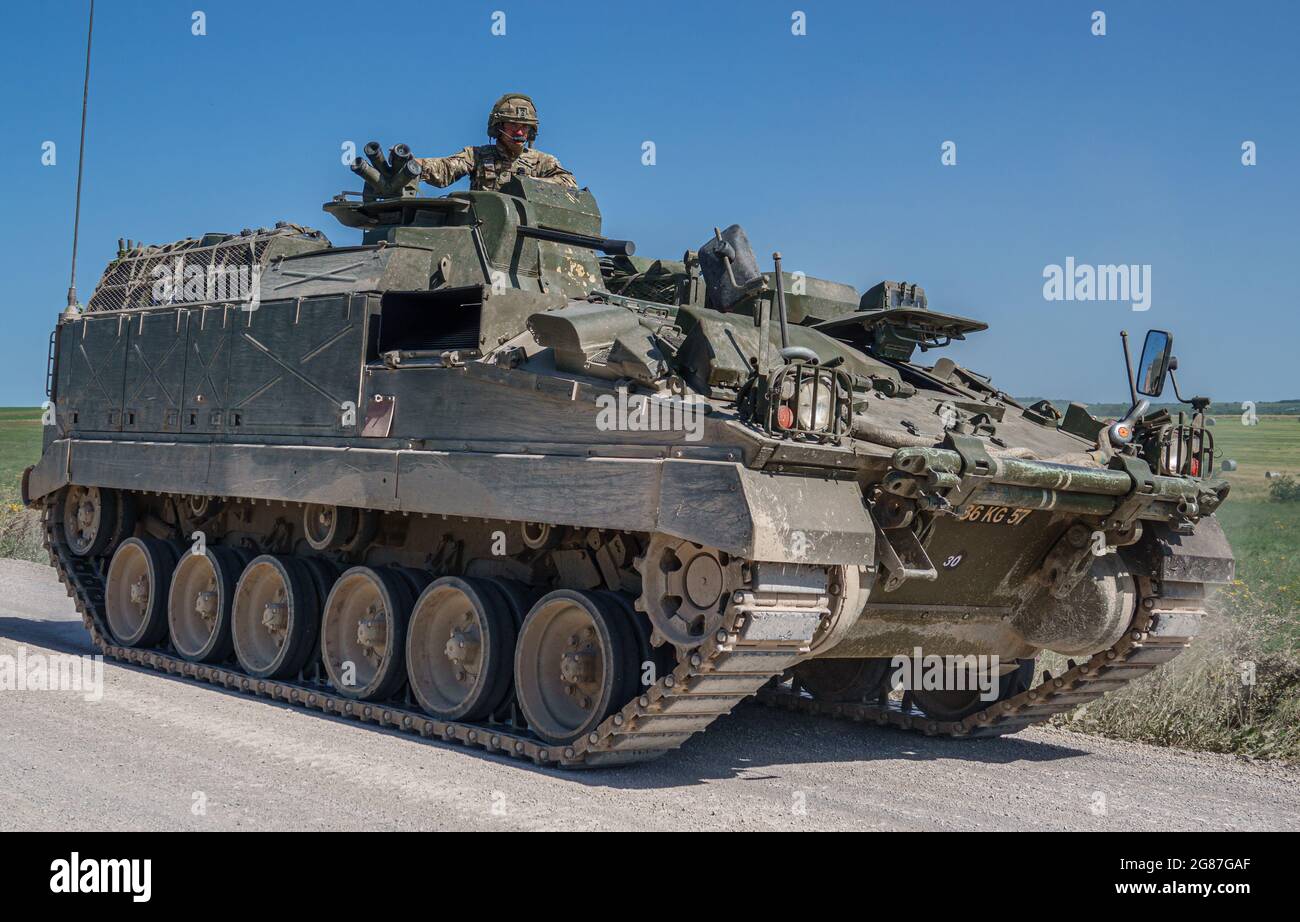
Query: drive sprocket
685 589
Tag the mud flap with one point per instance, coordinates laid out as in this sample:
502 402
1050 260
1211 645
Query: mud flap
1202 557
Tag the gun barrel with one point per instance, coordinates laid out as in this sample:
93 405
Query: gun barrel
604 244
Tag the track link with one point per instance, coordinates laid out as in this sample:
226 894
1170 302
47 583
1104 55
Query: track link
762 637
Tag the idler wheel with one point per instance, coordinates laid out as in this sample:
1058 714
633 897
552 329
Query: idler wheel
199 604
89 519
135 595
363 634
275 617
575 664
460 648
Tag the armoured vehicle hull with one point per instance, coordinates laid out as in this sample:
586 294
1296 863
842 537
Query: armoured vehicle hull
470 480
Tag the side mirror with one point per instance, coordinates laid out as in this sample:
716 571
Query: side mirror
1154 364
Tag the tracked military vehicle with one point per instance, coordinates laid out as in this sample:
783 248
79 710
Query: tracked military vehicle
491 477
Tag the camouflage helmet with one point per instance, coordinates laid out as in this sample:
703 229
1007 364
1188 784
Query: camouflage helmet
513 107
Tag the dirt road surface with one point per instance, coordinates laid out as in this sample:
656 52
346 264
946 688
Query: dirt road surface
161 753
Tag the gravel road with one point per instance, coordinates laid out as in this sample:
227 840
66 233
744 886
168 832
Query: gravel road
161 753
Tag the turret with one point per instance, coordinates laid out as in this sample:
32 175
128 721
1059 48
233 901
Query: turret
533 235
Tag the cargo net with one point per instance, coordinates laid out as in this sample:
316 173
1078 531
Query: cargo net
212 269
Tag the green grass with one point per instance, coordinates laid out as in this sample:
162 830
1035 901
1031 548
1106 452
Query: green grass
20 445
1272 445
20 442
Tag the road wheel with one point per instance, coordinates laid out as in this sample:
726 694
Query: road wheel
958 704
519 597
89 519
575 664
363 635
652 663
135 594
844 680
323 573
460 648
199 604
275 617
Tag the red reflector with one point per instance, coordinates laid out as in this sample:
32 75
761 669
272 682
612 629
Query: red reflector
1196 467
784 417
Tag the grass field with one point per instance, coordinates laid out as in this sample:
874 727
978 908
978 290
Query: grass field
20 445
1272 445
1198 701
1265 535
20 442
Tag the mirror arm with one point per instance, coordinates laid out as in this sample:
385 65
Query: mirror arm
1174 381
1199 404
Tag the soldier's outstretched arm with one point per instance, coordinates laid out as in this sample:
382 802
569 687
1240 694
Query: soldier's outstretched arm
549 169
443 171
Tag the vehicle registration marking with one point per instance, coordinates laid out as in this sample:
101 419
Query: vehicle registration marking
994 515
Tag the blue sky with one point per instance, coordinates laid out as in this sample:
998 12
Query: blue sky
1123 148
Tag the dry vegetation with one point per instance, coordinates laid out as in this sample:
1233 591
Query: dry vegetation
1236 689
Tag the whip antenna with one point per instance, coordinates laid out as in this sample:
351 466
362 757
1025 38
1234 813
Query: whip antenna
81 159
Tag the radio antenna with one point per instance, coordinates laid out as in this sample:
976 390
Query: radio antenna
1128 369
81 160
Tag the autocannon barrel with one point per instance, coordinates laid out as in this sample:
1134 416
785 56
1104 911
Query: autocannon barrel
604 244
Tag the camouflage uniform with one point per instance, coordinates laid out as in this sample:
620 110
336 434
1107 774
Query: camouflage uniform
490 166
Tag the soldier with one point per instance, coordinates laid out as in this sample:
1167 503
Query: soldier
512 125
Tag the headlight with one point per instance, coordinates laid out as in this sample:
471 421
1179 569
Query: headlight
806 400
815 411
1185 452
1174 458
